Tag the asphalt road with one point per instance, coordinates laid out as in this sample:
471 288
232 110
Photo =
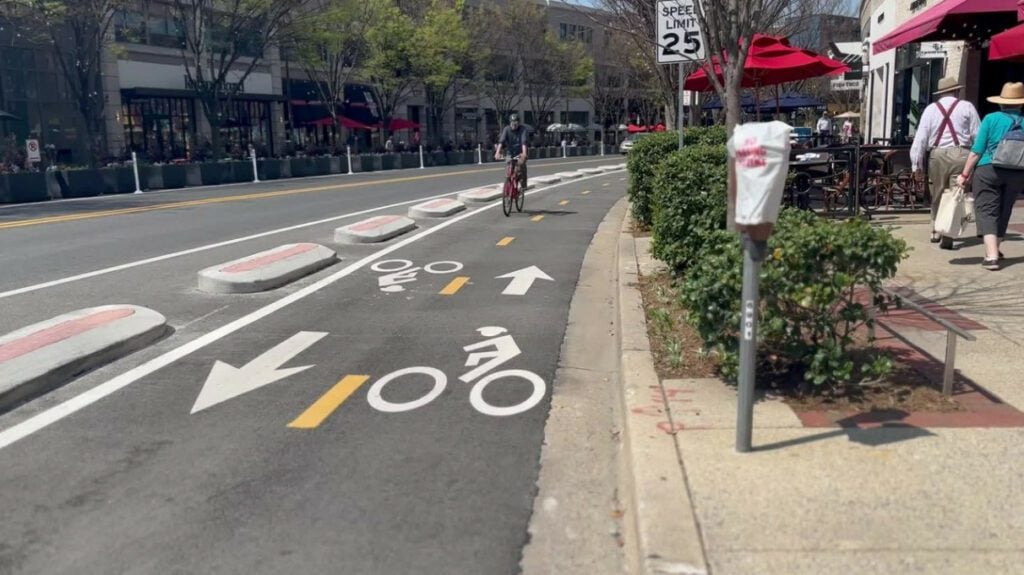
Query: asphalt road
344 467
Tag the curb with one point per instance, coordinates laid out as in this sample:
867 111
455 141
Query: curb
373 230
439 208
569 175
654 485
546 180
266 270
482 195
48 354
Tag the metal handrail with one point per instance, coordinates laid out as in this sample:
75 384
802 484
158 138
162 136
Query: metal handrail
952 332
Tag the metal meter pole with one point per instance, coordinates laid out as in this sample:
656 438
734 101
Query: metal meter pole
754 252
680 123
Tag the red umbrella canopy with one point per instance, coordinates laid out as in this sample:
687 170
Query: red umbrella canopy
771 60
1008 45
633 129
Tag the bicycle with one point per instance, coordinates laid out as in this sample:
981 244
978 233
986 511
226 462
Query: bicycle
511 192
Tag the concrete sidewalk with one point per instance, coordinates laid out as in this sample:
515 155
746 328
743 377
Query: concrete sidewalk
869 499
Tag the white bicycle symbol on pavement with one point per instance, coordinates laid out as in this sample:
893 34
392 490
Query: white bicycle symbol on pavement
503 348
398 272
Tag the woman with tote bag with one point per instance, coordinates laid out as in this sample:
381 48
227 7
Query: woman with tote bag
998 153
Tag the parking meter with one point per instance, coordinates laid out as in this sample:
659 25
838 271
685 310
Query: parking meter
760 153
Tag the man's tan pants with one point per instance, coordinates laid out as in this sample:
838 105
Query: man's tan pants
944 165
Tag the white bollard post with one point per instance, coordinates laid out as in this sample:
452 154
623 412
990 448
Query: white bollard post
421 157
348 156
255 169
564 153
480 154
135 168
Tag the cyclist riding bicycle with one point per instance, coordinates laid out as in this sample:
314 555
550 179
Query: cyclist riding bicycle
513 137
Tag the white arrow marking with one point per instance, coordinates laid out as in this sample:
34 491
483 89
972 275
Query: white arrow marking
226 382
523 279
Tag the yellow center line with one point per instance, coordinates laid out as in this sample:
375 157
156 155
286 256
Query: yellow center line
563 203
455 285
536 218
239 198
604 185
505 241
328 402
586 192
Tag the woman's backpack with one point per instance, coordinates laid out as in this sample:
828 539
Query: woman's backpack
1010 151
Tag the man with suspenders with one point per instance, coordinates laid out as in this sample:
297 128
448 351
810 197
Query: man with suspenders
945 131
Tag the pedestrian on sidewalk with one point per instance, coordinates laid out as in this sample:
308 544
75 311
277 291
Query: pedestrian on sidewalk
824 127
995 189
946 132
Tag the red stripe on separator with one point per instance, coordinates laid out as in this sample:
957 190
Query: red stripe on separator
257 263
373 223
60 332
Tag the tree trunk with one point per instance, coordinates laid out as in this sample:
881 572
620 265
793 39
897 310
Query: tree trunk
732 118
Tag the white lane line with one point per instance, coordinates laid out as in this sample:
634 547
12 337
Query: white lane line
60 411
198 249
195 250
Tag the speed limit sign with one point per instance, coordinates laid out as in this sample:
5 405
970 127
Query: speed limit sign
679 38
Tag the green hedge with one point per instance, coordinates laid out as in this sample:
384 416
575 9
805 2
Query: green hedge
689 203
643 159
705 136
809 283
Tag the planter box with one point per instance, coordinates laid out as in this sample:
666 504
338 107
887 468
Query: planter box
410 160
27 187
193 175
241 172
389 162
119 180
270 169
438 159
303 167
322 166
174 177
338 165
52 185
215 173
152 177
364 162
84 184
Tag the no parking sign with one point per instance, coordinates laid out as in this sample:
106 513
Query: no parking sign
32 146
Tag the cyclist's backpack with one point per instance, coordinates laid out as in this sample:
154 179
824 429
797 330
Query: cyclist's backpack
1010 151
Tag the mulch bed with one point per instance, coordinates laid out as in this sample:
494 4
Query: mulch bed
676 350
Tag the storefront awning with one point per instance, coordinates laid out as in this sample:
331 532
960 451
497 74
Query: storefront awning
952 20
1008 45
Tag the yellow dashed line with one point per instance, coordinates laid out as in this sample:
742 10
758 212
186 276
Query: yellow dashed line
536 218
505 241
328 402
563 203
586 192
455 285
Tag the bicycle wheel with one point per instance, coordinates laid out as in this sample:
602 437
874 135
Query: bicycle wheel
870 196
520 199
506 197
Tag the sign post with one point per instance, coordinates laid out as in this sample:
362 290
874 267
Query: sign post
135 169
348 156
255 169
761 159
679 41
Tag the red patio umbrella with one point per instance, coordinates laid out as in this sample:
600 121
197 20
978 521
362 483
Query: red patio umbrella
399 124
1008 45
770 61
634 129
346 122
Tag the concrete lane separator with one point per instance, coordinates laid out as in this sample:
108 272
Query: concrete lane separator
440 208
591 171
374 230
54 414
267 270
547 180
482 195
655 489
569 175
46 355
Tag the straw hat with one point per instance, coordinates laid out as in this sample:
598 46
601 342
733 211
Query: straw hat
1012 94
948 85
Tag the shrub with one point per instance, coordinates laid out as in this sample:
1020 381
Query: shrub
810 307
643 159
705 136
689 203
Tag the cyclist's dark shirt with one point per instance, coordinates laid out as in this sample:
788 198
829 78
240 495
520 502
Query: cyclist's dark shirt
513 140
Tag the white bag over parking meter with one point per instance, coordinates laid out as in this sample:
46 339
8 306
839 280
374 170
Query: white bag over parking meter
761 158
761 151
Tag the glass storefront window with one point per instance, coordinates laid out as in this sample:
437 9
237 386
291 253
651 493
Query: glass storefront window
162 129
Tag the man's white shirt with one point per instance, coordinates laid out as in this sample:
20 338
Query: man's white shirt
965 123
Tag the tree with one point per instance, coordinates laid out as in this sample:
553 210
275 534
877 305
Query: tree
441 59
330 43
222 43
390 63
497 72
79 33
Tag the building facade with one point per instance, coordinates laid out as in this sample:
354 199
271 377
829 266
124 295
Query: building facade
152 109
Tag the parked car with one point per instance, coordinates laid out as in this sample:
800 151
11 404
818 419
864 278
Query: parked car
630 140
